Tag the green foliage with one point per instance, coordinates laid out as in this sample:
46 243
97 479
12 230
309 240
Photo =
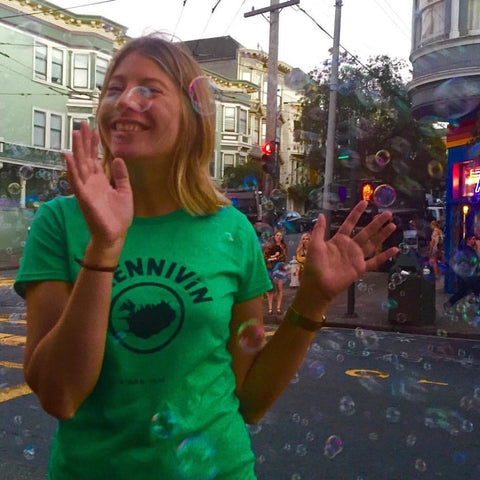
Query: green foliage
235 178
374 106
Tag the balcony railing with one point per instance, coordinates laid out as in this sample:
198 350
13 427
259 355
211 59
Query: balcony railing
40 157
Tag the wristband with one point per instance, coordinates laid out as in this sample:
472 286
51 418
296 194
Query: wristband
294 318
95 268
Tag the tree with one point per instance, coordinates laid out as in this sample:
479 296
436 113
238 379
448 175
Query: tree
373 114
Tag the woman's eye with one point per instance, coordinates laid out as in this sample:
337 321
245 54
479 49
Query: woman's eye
113 91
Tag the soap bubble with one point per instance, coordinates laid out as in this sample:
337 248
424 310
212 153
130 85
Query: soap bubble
384 195
29 452
201 91
26 172
139 98
333 446
347 406
164 425
14 188
465 263
197 458
435 169
251 336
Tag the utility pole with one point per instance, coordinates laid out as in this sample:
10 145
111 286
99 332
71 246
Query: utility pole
332 111
272 81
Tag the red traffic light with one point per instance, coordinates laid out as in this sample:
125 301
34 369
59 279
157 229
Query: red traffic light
268 148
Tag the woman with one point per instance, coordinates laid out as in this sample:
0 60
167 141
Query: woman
275 255
301 254
435 248
135 341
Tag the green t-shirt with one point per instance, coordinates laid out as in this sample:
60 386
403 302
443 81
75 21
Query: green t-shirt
164 406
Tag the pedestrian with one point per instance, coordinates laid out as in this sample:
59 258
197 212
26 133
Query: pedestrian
301 253
467 269
435 248
275 254
144 289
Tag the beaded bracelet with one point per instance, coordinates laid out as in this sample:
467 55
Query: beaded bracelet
95 268
299 320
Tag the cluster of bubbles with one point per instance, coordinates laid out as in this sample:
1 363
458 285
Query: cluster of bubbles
196 456
405 368
465 263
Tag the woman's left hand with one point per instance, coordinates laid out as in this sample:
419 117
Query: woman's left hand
333 265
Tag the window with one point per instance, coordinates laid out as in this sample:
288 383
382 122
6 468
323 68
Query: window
49 63
432 18
41 61
229 119
242 122
80 70
101 66
39 129
473 15
57 66
47 130
228 160
55 131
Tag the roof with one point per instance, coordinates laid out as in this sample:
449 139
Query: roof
207 49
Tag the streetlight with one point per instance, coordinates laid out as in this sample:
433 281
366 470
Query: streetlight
465 209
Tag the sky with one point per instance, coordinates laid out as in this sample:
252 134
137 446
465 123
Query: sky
368 27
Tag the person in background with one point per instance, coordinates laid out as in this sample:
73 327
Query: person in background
435 248
148 350
275 255
468 273
301 253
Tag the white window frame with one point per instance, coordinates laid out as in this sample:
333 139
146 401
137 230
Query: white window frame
243 121
228 155
474 16
48 128
432 16
97 71
86 69
229 108
47 75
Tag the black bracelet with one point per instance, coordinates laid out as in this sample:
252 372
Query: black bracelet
95 268
299 320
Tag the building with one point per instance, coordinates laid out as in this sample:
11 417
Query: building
241 121
53 63
445 87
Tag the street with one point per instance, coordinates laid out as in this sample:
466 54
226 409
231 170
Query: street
366 404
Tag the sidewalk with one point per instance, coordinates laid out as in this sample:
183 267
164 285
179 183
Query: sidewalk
370 311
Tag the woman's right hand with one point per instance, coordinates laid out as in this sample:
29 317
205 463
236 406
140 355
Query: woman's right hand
107 206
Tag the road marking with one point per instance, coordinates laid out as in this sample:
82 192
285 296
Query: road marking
4 363
9 393
432 382
361 372
12 340
6 282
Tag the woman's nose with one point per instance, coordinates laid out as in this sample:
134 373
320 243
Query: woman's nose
136 98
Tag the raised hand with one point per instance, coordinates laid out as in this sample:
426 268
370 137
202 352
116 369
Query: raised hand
331 266
106 205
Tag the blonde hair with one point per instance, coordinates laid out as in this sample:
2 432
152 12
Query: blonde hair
189 179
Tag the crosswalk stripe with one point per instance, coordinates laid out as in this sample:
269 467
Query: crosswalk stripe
4 363
9 393
12 340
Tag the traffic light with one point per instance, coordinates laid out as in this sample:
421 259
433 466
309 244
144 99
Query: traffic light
367 190
268 157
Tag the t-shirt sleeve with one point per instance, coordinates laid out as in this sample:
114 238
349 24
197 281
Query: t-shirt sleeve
45 254
254 279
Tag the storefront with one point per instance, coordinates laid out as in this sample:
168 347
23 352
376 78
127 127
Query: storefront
463 190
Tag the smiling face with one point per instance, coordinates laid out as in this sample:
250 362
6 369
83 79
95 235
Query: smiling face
140 110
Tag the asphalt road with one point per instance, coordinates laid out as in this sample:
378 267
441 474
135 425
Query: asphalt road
366 404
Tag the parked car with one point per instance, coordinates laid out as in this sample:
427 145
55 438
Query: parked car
289 222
